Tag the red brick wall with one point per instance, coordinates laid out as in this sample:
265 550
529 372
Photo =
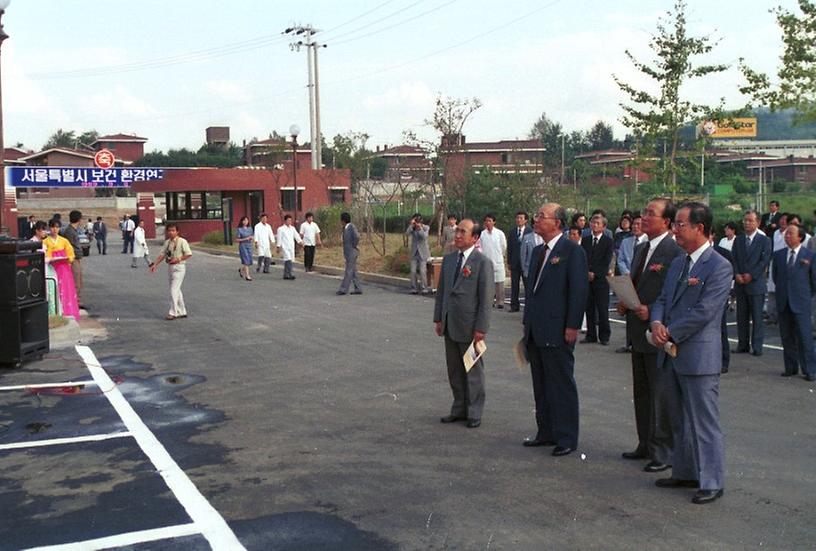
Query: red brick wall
124 151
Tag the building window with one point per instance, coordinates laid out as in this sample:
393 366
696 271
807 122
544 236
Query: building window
193 205
288 199
337 196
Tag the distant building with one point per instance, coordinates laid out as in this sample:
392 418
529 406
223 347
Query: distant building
218 136
275 152
504 156
791 169
773 148
125 147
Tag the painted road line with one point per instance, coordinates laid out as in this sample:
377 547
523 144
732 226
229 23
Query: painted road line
209 522
59 441
768 346
130 538
47 385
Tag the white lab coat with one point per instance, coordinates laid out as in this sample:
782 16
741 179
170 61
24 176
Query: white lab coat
139 243
494 246
287 235
264 239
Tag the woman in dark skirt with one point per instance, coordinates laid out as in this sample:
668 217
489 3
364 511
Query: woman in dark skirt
244 237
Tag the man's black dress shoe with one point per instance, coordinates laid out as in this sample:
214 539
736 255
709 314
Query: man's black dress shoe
786 374
587 340
623 350
655 467
724 370
514 309
637 454
604 343
810 378
706 496
474 423
676 483
452 419
358 292
339 293
534 443
562 450
740 351
756 353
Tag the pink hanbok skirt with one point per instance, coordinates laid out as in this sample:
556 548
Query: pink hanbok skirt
65 282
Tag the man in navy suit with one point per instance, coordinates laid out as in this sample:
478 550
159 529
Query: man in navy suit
552 317
687 314
752 254
794 273
514 240
598 248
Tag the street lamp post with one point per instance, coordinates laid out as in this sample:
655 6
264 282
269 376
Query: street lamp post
294 130
5 215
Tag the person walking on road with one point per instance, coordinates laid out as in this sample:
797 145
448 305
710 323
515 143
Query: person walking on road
100 233
128 227
287 237
245 235
462 309
310 232
351 239
264 238
140 245
175 251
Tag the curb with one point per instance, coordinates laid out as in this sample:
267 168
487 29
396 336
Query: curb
368 277
64 336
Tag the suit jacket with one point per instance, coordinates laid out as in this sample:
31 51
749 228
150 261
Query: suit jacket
350 241
559 300
694 315
794 288
768 219
528 243
599 257
419 242
752 260
514 247
100 230
649 285
464 307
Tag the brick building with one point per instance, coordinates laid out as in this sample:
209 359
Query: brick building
125 147
503 157
801 170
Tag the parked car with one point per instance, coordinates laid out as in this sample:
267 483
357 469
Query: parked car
84 241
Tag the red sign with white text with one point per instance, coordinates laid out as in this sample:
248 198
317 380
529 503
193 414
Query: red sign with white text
104 158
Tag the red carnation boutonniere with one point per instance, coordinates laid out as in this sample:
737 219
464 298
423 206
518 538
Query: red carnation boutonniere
657 268
466 271
692 281
805 262
555 260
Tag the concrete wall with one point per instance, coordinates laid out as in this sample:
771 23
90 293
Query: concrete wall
111 209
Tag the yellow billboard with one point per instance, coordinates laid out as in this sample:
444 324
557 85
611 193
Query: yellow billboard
744 127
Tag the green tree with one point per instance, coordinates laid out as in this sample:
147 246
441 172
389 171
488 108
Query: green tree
660 117
61 138
796 86
600 136
549 132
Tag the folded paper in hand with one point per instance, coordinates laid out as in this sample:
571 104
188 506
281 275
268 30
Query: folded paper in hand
669 347
624 290
473 353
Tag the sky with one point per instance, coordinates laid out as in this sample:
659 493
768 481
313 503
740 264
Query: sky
166 70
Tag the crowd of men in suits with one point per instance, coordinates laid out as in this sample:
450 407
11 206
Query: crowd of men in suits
677 337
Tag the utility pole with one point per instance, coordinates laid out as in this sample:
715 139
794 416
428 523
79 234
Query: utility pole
311 46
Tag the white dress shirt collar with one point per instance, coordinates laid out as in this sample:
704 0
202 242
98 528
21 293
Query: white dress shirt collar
695 256
467 254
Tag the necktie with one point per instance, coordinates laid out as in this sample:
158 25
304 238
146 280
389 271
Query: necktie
791 259
594 241
458 267
747 242
540 264
520 233
638 271
682 280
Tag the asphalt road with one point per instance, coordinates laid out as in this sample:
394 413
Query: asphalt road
311 421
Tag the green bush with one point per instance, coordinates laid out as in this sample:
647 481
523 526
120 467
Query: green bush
215 237
328 220
399 262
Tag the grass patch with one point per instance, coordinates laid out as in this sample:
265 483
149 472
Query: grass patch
56 321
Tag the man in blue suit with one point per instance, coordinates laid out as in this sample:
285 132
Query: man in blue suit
794 273
556 298
752 254
687 314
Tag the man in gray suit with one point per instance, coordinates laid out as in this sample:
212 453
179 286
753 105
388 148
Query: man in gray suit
350 252
420 253
464 299
650 263
688 314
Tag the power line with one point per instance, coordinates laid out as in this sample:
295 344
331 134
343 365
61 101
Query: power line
380 20
404 21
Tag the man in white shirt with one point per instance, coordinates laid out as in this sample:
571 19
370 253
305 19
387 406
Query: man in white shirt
310 232
264 241
287 236
494 247
140 245
128 227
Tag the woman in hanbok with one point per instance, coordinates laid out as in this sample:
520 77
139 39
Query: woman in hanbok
59 254
244 236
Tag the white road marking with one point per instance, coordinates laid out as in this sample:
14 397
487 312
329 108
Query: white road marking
130 538
209 522
59 441
47 385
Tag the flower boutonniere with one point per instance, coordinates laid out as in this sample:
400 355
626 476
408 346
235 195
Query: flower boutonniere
466 271
657 267
555 260
805 262
692 281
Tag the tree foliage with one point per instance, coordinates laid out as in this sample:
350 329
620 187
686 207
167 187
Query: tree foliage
659 117
209 156
796 86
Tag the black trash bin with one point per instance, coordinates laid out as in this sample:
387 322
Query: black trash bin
23 304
